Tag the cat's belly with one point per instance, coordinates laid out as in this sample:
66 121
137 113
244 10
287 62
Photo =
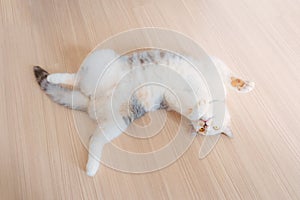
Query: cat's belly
179 85
133 104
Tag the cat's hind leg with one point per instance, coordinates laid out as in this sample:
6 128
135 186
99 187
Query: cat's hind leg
98 140
73 99
62 78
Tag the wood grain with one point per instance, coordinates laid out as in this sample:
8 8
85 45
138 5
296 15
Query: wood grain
42 156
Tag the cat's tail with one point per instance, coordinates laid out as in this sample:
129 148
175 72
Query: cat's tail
73 99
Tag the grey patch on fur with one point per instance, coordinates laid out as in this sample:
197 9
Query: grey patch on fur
144 58
162 54
127 120
136 108
41 76
163 104
130 60
151 57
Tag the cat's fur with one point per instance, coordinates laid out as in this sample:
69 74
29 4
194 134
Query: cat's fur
140 67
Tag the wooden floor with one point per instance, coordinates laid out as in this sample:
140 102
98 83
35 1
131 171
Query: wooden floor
41 154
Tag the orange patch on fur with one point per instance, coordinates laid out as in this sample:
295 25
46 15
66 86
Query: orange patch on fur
142 94
236 82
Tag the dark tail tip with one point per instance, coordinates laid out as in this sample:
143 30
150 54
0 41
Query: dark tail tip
40 75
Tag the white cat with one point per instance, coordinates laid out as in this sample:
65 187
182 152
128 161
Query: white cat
94 87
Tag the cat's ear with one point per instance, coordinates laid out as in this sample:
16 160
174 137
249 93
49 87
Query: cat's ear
227 131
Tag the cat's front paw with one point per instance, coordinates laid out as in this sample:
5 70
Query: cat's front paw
242 86
249 85
92 166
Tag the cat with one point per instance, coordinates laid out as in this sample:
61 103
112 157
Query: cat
140 67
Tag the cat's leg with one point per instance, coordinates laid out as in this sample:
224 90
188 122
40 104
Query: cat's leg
62 78
98 140
73 99
232 81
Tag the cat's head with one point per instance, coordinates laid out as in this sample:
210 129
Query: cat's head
205 127
202 126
